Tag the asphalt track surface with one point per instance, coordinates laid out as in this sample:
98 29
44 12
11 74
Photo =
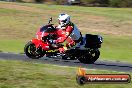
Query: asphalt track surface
104 65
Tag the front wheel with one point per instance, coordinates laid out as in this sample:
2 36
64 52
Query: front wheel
32 52
90 57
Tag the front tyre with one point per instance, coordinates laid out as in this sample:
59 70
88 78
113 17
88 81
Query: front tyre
90 58
32 52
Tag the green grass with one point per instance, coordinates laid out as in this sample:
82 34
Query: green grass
18 26
117 48
12 46
114 13
9 11
18 74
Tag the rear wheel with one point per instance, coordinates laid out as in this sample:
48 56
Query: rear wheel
90 57
32 52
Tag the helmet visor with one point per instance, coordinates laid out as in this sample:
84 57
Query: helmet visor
64 21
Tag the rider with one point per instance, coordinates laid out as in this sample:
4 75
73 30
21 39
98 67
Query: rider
67 32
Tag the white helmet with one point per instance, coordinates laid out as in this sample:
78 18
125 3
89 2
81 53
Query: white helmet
64 19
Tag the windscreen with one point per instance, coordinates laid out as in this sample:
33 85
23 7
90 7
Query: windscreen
47 28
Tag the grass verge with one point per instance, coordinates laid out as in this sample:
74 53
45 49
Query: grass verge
117 48
19 74
16 46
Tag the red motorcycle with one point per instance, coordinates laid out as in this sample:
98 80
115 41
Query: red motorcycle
86 52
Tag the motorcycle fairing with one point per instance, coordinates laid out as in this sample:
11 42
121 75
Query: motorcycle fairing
40 43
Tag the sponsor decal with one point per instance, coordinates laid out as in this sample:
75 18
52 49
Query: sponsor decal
83 78
52 50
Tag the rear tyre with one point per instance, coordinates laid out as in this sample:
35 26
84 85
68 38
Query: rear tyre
90 58
32 52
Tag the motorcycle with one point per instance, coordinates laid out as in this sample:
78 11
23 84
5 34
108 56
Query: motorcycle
86 52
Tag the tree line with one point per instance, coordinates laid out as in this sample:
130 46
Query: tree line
92 3
108 3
